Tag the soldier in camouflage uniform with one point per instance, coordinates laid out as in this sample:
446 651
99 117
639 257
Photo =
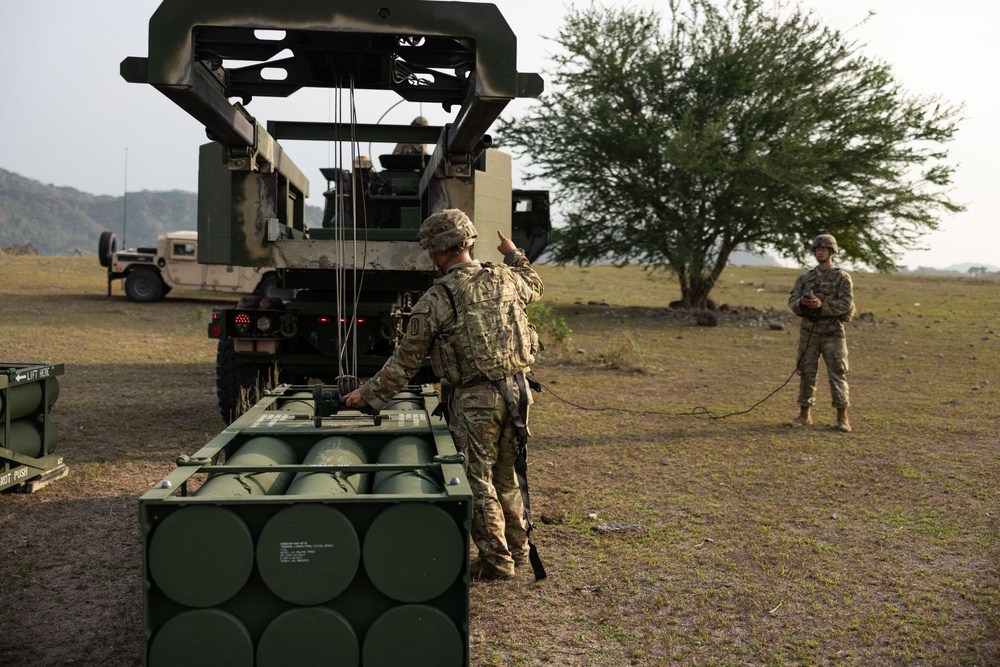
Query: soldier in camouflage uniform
824 298
413 149
473 323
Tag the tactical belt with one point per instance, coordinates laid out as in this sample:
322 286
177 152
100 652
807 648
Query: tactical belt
826 330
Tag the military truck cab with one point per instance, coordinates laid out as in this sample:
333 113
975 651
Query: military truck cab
150 273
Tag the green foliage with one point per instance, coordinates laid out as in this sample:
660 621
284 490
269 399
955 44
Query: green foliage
547 323
741 126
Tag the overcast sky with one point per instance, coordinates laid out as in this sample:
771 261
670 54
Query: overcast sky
71 120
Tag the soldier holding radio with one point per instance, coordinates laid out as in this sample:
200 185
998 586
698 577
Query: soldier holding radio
824 298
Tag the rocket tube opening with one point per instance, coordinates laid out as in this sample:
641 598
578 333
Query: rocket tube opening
308 553
308 636
414 635
414 551
208 637
201 556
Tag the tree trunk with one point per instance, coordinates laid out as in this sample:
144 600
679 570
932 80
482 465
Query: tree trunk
698 280
695 290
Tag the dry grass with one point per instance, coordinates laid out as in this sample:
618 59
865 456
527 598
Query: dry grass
756 544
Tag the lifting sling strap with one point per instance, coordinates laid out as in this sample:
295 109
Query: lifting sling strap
518 411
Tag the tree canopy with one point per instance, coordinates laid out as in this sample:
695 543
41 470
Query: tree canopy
740 126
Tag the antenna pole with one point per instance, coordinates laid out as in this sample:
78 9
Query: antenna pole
125 203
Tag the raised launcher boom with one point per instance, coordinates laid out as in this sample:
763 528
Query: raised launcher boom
251 207
305 535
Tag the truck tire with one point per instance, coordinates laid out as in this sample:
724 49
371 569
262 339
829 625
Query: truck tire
144 285
235 382
107 246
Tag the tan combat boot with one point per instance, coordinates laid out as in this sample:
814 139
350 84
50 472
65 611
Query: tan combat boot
843 425
480 570
804 418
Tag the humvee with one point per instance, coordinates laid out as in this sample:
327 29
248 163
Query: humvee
150 273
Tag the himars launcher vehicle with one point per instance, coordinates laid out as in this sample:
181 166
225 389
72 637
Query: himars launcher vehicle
306 531
365 259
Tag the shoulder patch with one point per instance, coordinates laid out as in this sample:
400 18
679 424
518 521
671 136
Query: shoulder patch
416 328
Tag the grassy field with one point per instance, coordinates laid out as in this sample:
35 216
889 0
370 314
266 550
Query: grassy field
739 541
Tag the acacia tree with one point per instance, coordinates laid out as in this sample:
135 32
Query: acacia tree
743 126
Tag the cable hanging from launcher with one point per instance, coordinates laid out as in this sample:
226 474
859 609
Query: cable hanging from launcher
344 215
349 242
346 232
339 224
359 192
347 252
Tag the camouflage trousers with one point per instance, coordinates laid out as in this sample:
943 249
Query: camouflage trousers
485 434
833 349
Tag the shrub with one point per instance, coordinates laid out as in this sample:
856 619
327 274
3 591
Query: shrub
548 324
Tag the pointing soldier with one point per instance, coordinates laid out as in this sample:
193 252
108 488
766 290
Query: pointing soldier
824 298
473 324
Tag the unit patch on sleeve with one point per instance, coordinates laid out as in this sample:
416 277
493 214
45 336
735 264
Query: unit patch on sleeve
417 327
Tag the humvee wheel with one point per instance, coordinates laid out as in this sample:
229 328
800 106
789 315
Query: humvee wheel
144 285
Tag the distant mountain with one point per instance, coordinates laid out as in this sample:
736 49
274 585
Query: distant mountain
963 269
969 267
64 221
737 258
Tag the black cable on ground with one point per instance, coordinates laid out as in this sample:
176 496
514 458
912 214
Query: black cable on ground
698 411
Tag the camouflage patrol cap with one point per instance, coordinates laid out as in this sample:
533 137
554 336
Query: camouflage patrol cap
450 228
825 241
420 120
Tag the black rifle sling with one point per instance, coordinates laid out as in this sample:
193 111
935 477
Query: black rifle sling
519 415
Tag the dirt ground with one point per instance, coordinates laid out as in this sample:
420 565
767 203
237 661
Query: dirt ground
671 536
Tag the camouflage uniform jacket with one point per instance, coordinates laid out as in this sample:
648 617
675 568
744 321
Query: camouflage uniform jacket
410 149
435 319
834 288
